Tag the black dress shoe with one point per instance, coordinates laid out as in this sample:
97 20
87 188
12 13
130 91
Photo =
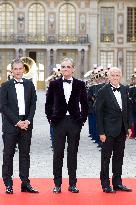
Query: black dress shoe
57 190
28 188
73 189
108 189
121 187
9 190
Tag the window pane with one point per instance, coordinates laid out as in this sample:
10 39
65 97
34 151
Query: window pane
67 19
131 63
131 24
6 19
107 24
36 19
106 57
6 56
107 20
40 61
41 76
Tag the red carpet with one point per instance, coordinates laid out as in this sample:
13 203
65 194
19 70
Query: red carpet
90 194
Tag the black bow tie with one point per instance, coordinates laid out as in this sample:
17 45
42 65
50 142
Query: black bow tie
18 82
114 88
66 81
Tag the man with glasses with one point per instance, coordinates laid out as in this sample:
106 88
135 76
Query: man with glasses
66 109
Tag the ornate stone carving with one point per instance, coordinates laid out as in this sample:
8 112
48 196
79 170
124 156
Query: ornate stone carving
120 4
120 23
20 52
21 21
82 23
120 40
51 22
120 58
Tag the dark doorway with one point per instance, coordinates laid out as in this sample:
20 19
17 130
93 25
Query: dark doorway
32 55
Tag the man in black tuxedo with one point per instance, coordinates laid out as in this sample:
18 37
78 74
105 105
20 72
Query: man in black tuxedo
18 104
66 109
113 116
0 99
132 97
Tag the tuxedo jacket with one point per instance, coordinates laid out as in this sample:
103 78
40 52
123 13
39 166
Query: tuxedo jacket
56 106
9 105
132 96
90 96
109 117
0 99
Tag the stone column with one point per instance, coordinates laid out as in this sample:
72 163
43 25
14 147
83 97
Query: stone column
82 62
93 32
79 69
86 64
55 56
51 59
48 63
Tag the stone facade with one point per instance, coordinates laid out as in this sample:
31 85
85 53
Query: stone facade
85 46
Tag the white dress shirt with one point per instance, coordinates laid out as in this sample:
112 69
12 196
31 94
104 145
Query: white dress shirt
20 97
117 96
67 90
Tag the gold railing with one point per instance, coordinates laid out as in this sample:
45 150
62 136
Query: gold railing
107 38
43 38
131 38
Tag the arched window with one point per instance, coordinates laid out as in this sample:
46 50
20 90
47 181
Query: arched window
36 19
67 19
6 18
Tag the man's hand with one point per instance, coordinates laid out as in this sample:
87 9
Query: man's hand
20 124
129 133
102 138
23 124
27 123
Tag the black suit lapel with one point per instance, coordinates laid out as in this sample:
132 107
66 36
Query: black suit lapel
113 96
61 90
13 91
73 91
123 96
25 89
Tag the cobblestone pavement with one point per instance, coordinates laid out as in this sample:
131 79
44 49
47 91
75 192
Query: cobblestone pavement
88 154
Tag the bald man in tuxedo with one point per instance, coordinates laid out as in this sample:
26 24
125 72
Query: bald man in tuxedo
114 122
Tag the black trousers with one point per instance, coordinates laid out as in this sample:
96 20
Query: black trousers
112 146
24 141
67 127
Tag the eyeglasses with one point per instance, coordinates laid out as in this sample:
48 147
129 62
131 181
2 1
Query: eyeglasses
68 66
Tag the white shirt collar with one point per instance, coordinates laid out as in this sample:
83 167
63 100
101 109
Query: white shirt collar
21 80
118 86
67 79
